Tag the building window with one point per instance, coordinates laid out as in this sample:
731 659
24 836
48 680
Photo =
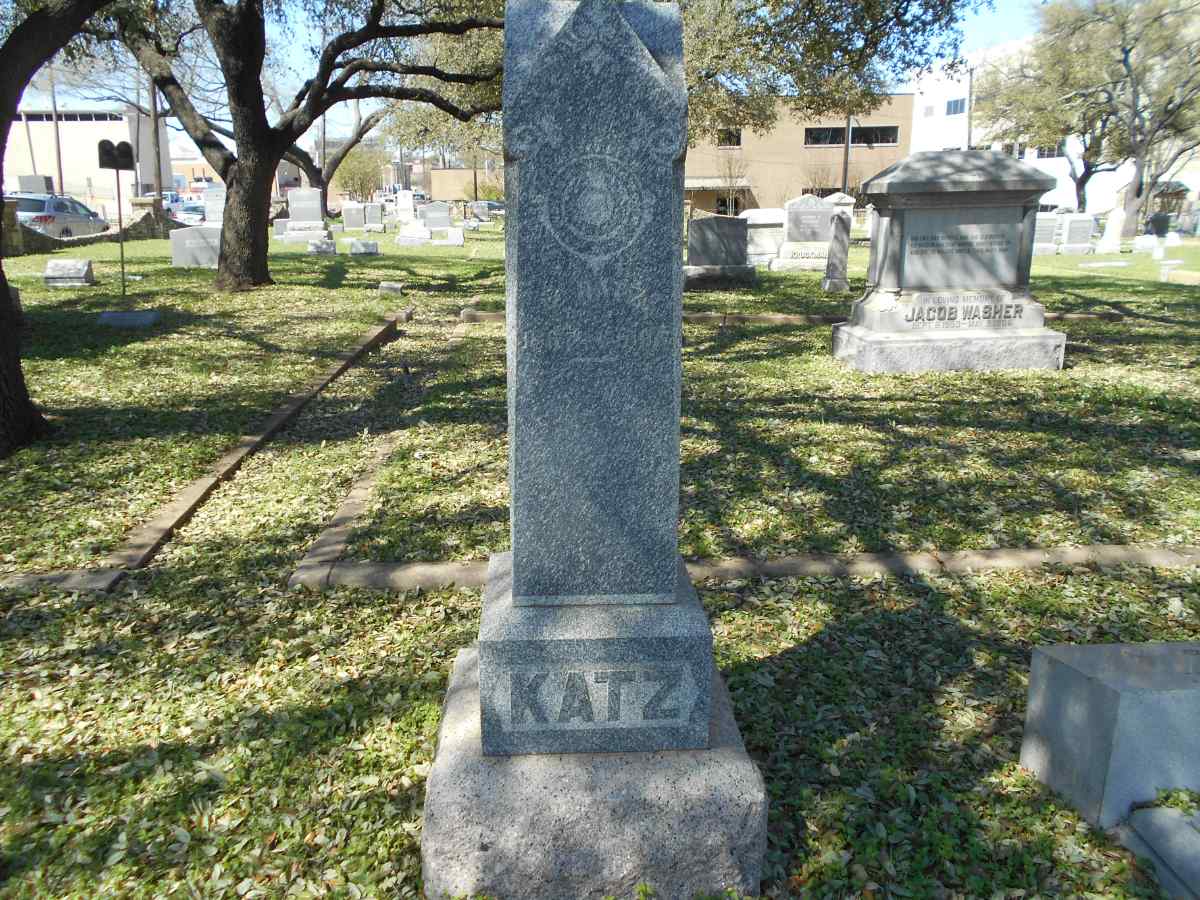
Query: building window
822 137
1052 152
723 208
929 112
956 107
870 135
729 137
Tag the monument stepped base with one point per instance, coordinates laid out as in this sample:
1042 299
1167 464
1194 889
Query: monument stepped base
954 350
589 825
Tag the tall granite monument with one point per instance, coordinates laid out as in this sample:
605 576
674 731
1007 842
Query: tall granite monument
588 744
948 279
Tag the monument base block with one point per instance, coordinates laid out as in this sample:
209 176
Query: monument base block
704 276
589 825
958 350
593 678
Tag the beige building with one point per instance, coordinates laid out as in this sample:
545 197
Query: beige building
795 157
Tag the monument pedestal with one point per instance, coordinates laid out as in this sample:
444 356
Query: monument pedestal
948 330
576 825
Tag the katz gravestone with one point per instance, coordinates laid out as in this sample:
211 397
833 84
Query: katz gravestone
948 279
589 738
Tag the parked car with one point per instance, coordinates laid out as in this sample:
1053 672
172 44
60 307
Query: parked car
171 200
189 213
57 215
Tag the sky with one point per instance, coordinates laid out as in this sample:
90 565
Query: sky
1008 20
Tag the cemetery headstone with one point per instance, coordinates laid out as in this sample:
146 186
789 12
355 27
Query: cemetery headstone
133 319
764 234
322 247
214 205
843 203
453 237
353 215
1077 231
414 233
808 232
948 278
69 273
336 228
197 246
305 222
717 252
837 266
436 214
281 225
1109 725
1045 232
404 206
364 248
480 211
373 214
1110 241
589 736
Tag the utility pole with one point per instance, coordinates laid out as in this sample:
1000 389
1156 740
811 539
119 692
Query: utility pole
970 102
57 142
846 153
158 184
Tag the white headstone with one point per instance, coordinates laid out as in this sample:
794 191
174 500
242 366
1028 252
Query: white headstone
364 248
414 233
69 273
304 205
1113 226
1045 231
1077 231
199 246
764 234
454 238
353 215
214 204
322 247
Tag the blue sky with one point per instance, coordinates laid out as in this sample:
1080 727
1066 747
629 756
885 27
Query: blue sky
1011 19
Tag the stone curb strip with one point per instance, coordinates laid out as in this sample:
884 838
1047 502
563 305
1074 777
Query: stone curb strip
713 318
313 571
144 542
428 575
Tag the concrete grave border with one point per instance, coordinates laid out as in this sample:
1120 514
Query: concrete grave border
144 541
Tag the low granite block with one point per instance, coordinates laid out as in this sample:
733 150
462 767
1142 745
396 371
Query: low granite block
978 350
1170 839
69 273
717 241
592 678
142 318
376 227
303 237
281 225
1110 725
364 248
453 238
196 247
294 226
699 277
323 247
337 229
391 287
687 823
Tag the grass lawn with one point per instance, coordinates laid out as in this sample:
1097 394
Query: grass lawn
141 413
205 732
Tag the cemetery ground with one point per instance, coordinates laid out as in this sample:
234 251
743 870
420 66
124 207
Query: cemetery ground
203 730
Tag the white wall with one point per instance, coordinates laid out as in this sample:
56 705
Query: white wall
934 128
32 153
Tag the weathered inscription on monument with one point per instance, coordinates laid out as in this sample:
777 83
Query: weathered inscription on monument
590 697
953 248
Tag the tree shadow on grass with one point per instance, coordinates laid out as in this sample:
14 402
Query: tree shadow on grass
878 736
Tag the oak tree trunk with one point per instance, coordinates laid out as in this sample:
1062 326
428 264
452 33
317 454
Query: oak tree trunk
244 233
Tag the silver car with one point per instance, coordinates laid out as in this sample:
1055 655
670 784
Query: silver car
57 215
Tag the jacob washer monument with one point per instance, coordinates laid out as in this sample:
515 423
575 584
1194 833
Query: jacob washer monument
948 280
588 744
